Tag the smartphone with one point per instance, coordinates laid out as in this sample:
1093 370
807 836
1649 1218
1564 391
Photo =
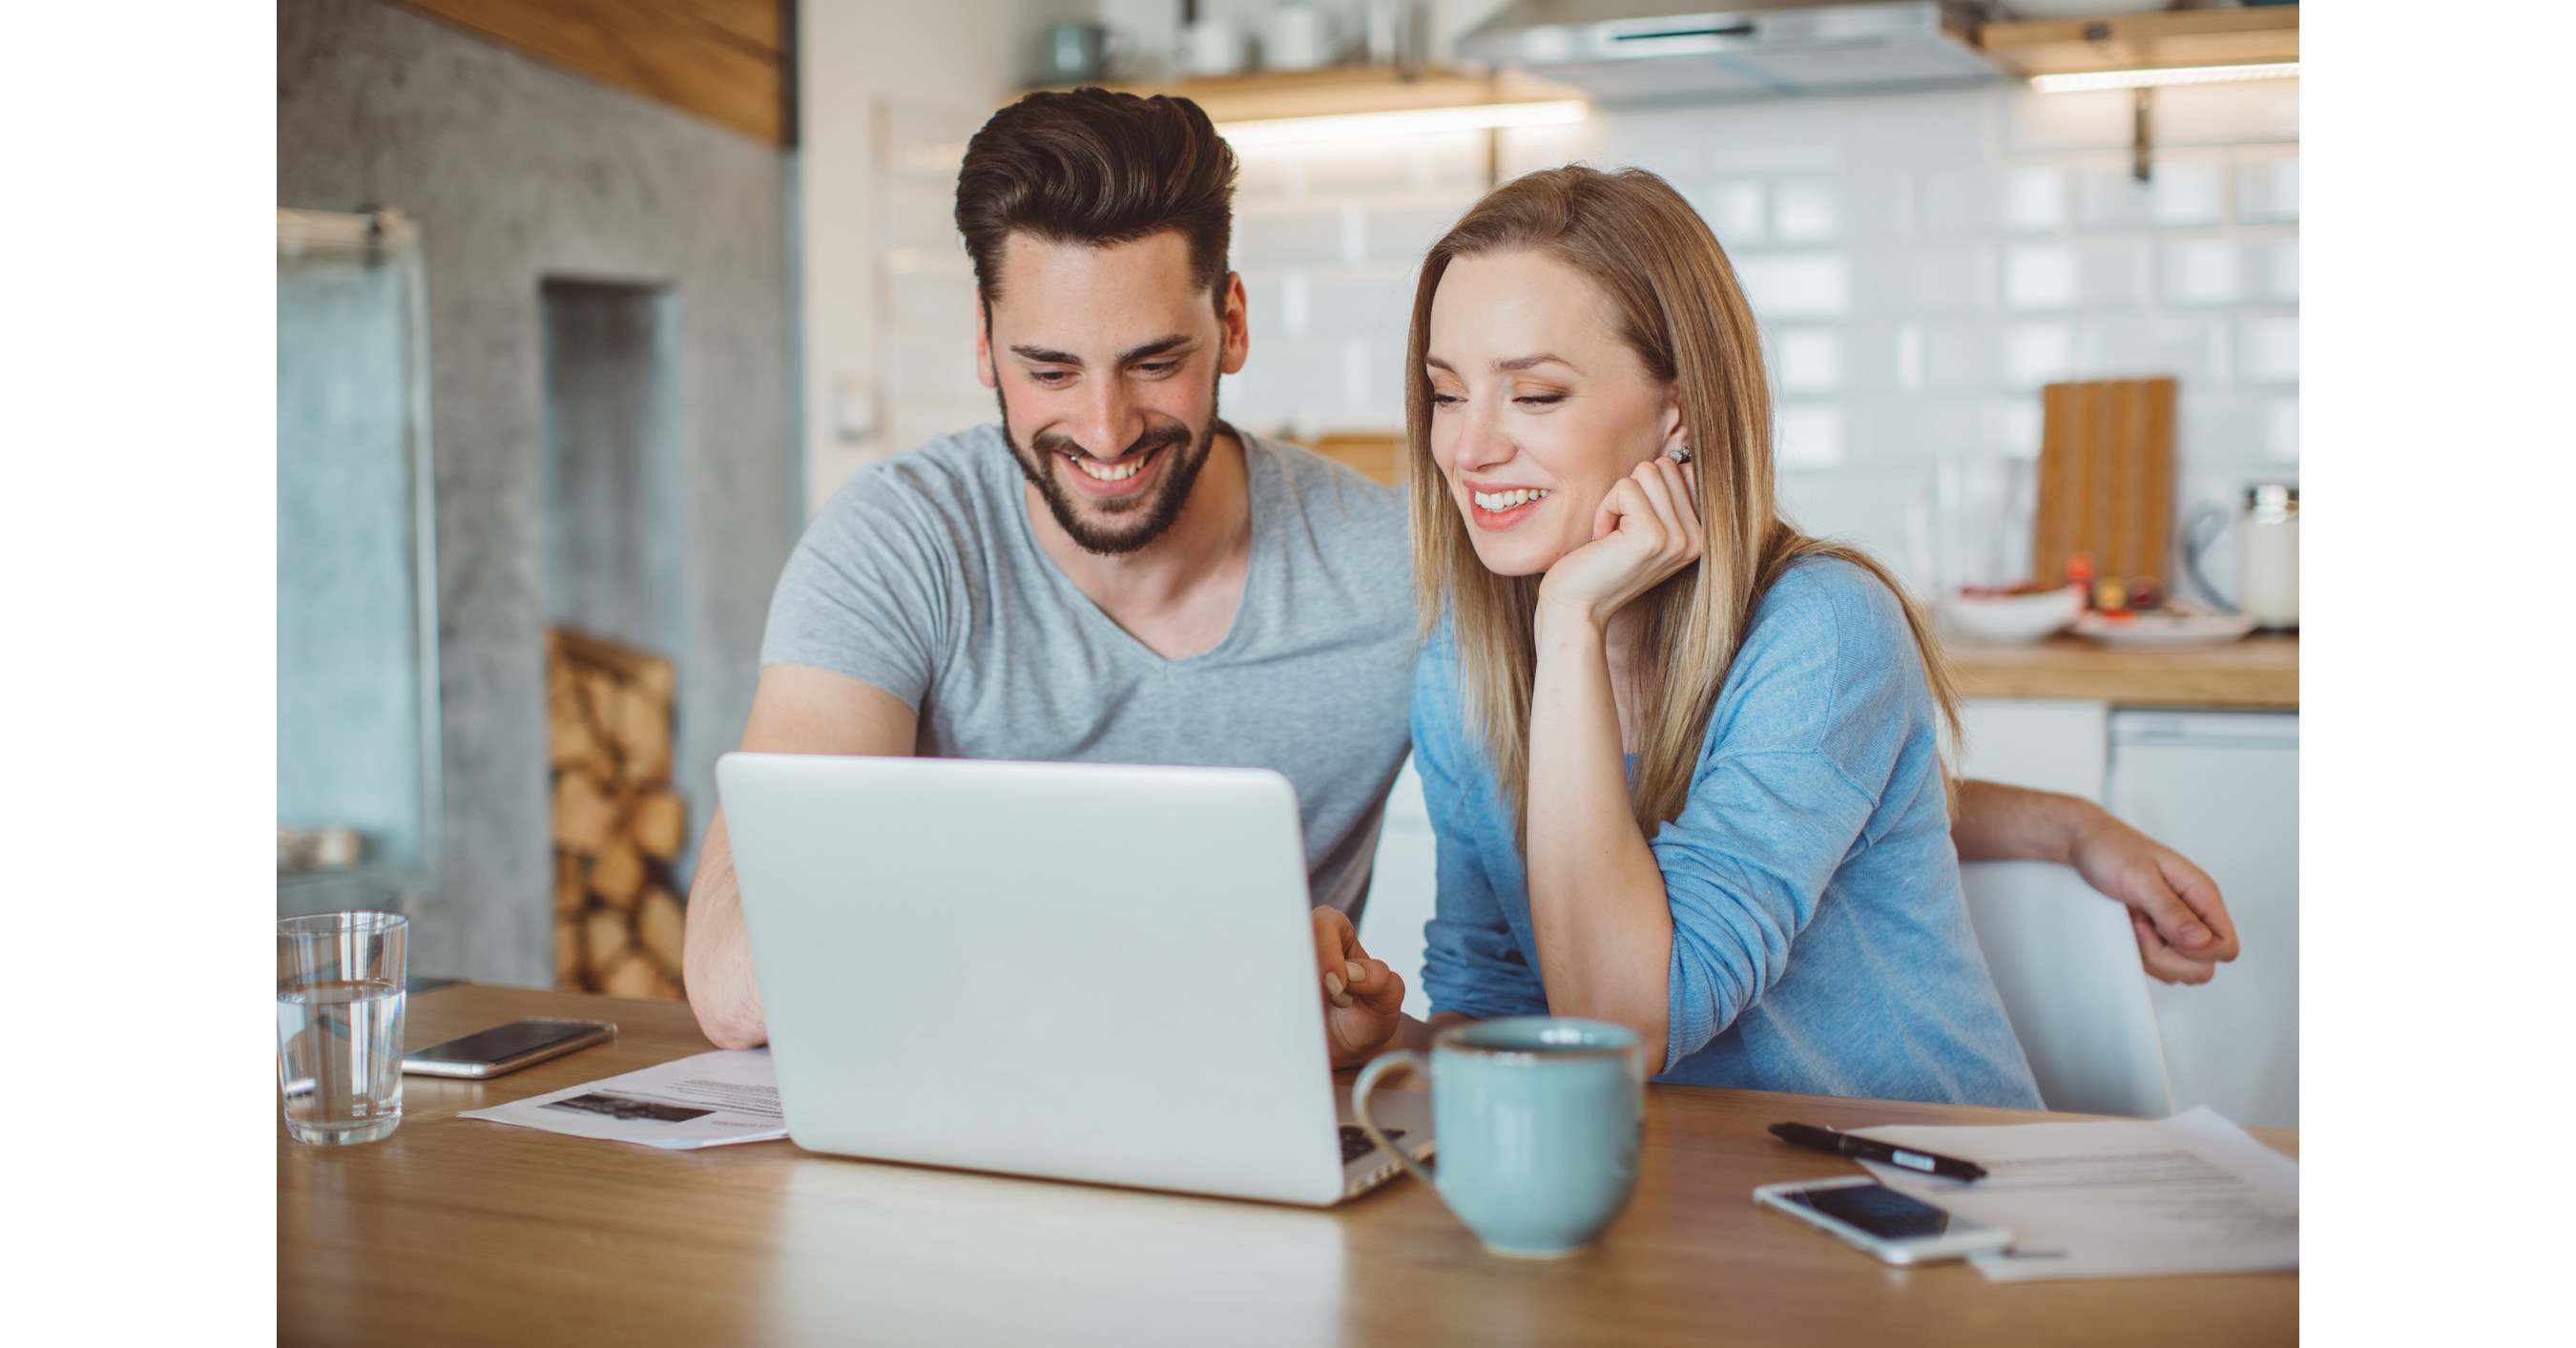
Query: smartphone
507 1048
1867 1215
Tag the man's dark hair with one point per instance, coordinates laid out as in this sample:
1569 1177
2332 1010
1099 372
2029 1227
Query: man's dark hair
1098 168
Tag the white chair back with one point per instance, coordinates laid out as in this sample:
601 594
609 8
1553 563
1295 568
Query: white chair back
2066 964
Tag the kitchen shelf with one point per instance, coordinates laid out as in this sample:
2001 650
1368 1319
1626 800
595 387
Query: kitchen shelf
1344 90
2260 672
2152 41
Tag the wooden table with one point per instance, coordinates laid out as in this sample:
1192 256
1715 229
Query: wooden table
457 1231
2259 672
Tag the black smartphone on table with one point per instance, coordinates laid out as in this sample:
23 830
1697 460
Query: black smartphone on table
507 1048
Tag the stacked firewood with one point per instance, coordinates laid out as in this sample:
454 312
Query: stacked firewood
617 822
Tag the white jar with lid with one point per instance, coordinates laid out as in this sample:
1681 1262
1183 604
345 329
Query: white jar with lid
2269 554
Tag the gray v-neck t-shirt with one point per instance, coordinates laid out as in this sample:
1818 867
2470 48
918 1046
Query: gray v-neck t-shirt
922 576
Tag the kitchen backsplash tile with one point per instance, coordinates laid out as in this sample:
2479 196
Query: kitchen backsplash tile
2268 349
2181 194
2267 190
2201 272
1920 264
1796 285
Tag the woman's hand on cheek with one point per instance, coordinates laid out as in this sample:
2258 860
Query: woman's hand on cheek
1646 529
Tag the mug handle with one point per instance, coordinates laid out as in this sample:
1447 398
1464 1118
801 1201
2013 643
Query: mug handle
1379 1066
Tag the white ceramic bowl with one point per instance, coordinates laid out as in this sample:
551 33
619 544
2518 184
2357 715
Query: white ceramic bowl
2013 618
2165 631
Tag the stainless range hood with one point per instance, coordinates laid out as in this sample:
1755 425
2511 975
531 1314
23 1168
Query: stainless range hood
1669 51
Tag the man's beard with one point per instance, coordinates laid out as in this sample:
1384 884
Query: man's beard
1152 516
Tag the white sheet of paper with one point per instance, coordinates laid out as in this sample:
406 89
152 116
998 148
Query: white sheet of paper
703 1101
2189 1194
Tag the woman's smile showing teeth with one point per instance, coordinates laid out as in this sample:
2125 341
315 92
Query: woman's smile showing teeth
1499 501
1498 508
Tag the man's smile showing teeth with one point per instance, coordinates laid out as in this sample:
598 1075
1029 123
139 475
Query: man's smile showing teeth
1111 472
1504 500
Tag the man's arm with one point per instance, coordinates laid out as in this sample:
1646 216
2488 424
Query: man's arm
2181 923
797 710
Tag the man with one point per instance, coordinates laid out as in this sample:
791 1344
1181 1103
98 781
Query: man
1113 574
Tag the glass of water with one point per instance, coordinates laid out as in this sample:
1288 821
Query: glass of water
340 1025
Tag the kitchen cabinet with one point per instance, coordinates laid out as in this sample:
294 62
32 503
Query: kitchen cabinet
2222 787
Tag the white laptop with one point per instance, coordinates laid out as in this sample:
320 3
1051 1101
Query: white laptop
1080 971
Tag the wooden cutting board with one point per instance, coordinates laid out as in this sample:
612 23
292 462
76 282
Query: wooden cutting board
2106 472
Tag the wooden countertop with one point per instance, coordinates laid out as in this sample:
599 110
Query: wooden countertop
2260 672
456 1231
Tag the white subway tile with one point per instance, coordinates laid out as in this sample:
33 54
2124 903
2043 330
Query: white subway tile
1903 130
1979 200
2042 276
1296 313
2014 426
1374 302
1807 437
1735 210
1807 211
2031 200
2178 194
1290 237
2038 353
2267 190
1286 380
1809 360
2280 270
2268 349
1354 231
1909 357
1356 372
2281 431
1961 356
2070 276
1796 285
2144 348
1952 280
1404 232
2202 272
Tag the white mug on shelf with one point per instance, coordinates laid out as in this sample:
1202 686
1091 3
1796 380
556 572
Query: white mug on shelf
1299 37
1211 46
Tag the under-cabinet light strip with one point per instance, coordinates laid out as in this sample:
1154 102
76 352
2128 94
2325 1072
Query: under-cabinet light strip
2148 79
1404 121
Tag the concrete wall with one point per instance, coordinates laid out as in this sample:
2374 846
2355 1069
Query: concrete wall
519 171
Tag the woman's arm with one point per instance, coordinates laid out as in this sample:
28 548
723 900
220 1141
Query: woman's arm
1597 905
1598 911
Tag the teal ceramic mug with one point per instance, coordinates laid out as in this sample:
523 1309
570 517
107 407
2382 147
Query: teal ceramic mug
1538 1118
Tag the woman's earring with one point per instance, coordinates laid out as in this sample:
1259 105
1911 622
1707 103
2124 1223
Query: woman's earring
1679 454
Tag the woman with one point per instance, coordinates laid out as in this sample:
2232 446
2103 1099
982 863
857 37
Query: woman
1683 761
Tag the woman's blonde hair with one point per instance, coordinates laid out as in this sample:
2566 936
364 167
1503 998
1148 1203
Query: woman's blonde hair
1675 302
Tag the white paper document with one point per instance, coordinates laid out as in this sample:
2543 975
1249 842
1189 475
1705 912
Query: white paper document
703 1101
2189 1194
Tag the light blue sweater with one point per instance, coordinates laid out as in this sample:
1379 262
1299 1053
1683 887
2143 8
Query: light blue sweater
1820 940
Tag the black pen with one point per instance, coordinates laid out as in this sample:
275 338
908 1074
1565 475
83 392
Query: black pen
1861 1148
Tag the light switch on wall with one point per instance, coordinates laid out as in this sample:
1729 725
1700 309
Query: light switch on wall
854 410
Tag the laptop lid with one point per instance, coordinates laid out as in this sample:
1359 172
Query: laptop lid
1081 971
